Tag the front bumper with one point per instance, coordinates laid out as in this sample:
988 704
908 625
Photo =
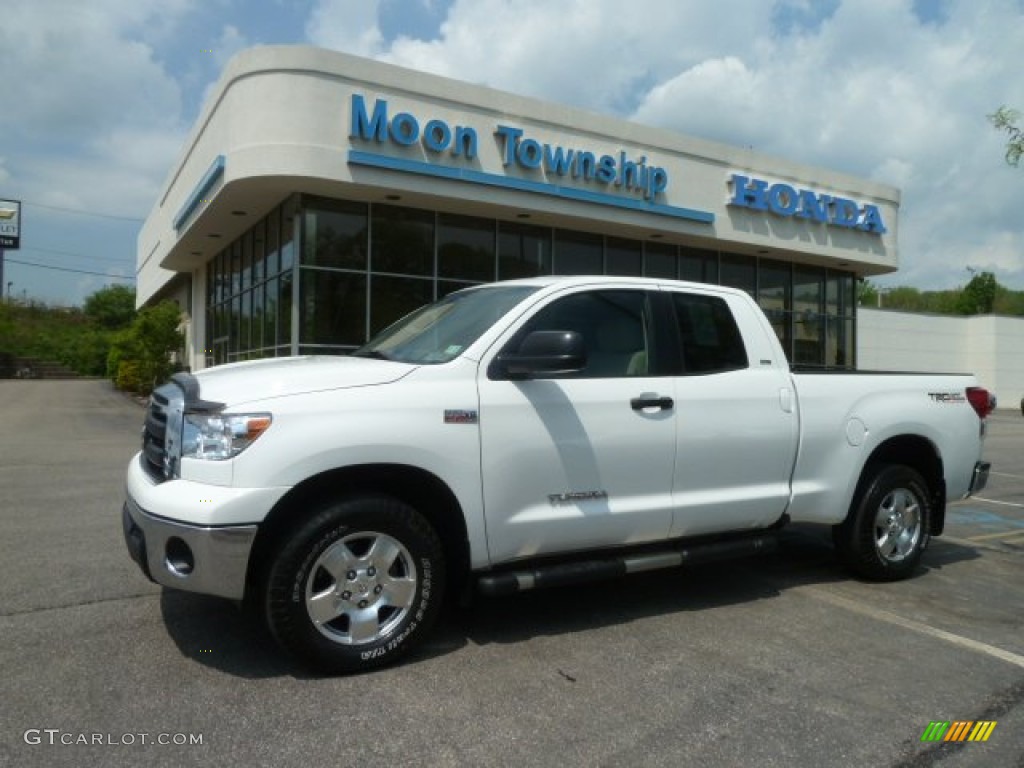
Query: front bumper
210 560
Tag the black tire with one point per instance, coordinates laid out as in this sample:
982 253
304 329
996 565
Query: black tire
375 566
887 528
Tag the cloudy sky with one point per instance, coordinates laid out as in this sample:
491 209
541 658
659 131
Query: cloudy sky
96 99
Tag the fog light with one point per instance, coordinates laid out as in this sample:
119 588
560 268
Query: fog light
180 560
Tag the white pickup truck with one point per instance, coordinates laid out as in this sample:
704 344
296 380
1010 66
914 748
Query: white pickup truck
526 434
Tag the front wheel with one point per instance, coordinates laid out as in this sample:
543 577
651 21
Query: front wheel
356 586
886 530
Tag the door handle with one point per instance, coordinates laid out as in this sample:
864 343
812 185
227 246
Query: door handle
651 401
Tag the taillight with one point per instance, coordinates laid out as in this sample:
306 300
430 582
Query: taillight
982 401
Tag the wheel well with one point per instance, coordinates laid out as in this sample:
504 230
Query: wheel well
920 454
422 490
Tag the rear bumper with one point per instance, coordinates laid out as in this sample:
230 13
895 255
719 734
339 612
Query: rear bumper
210 560
980 477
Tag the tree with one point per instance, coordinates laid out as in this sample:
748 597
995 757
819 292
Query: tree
112 307
979 295
140 357
1005 119
906 298
867 294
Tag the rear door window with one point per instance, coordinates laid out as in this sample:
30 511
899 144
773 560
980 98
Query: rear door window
709 337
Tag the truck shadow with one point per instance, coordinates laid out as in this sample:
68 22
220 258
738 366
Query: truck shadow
219 634
805 557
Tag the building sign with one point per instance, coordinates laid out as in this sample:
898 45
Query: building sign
10 224
787 201
633 175
611 179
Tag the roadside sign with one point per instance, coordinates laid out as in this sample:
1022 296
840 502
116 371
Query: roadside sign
10 224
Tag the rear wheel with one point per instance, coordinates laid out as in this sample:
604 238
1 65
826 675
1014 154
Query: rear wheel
356 586
886 531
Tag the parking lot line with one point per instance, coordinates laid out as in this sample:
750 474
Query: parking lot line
1000 535
1006 474
914 626
1003 503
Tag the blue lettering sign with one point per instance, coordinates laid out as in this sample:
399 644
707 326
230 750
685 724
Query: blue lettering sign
784 200
813 206
437 136
465 142
558 159
844 212
621 171
404 129
587 167
871 221
516 149
511 137
364 127
529 153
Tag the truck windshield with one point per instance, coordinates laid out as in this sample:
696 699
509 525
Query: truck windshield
440 332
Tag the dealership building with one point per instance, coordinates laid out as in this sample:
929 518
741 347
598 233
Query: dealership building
321 196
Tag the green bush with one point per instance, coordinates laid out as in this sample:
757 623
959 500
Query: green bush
69 335
112 307
129 376
140 356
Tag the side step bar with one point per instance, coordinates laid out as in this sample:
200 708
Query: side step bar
578 572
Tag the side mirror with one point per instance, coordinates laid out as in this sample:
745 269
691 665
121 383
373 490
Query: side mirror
543 352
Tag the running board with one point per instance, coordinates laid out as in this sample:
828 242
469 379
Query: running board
578 572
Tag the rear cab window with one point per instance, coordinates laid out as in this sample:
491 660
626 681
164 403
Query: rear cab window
710 341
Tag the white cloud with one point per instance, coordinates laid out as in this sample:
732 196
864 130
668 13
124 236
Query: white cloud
91 121
860 86
94 93
73 68
93 113
598 54
231 42
346 25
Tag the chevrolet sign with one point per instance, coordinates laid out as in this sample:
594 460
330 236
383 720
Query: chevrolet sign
10 224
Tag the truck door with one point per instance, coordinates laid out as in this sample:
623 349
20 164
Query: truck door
582 460
736 423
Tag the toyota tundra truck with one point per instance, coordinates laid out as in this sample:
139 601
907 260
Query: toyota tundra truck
526 434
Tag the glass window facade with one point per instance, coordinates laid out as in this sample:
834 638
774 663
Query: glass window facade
523 251
578 253
738 271
623 257
321 276
466 248
660 260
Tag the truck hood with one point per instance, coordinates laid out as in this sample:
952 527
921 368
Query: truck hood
237 383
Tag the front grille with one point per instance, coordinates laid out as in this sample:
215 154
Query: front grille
162 403
162 432
153 434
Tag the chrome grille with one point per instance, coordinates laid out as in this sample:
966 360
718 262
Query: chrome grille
154 431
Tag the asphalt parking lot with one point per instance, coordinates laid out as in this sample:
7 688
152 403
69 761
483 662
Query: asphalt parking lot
778 660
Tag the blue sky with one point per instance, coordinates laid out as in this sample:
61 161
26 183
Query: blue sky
97 99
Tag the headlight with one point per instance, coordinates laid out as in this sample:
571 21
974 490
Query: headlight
220 436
